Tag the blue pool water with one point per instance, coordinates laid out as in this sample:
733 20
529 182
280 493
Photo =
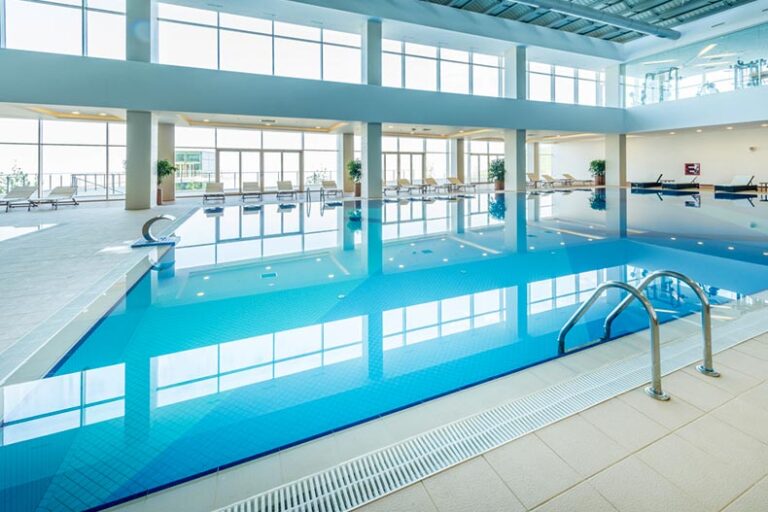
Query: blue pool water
276 326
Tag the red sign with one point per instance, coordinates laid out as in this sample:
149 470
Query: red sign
693 169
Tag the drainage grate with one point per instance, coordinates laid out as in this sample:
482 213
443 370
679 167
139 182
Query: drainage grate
371 476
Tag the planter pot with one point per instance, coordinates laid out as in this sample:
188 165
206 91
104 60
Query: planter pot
600 180
357 189
159 196
498 185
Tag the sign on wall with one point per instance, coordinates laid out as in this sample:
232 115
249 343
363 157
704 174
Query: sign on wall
693 169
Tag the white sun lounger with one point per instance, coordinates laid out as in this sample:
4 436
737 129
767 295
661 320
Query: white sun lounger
19 196
285 188
214 191
251 189
57 196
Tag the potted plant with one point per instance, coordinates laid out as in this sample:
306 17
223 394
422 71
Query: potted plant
164 168
355 170
496 173
597 169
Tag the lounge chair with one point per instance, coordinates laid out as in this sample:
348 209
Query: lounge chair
550 181
646 184
457 184
677 185
285 188
405 184
739 183
572 180
19 196
430 184
214 191
330 189
389 187
57 196
533 181
251 189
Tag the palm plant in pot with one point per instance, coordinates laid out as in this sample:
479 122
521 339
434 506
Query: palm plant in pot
496 173
164 169
597 170
355 171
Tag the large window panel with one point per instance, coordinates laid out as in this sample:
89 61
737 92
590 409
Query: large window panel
420 73
18 130
245 23
84 167
106 35
43 27
341 64
485 81
454 77
564 89
540 87
187 45
74 132
392 70
188 14
297 59
247 53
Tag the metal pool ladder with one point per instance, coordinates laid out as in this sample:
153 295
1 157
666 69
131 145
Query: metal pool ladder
655 389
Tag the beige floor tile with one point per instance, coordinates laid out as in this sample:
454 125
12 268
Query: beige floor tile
195 496
672 414
583 497
730 380
754 347
624 424
532 470
757 396
745 416
695 391
742 362
754 500
413 498
308 458
725 443
469 487
633 486
714 483
582 445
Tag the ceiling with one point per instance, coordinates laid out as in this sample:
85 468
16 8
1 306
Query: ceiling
661 13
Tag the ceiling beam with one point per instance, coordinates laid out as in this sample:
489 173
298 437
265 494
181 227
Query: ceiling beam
595 15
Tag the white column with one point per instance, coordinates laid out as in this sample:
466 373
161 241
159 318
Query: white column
536 164
515 79
371 157
614 86
141 161
141 30
514 160
372 52
347 154
456 147
616 159
166 150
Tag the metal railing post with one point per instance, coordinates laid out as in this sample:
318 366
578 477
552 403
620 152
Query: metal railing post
655 389
706 367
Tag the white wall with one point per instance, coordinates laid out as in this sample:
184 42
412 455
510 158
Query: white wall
722 153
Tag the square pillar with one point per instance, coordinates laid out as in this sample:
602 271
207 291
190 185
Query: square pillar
166 150
515 79
371 159
514 160
141 30
614 85
616 159
347 154
535 160
372 52
456 148
141 160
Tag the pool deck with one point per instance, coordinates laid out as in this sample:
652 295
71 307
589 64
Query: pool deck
704 450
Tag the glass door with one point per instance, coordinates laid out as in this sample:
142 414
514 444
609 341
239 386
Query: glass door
282 166
250 167
409 166
390 168
235 167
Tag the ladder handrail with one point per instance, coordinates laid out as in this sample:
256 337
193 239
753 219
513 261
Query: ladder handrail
654 390
706 324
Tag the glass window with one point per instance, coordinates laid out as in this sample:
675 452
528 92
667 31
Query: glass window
540 87
587 92
117 134
247 53
411 144
19 160
420 50
345 38
188 14
106 35
341 64
282 140
485 60
564 89
420 73
195 137
454 77
245 23
298 59
107 5
187 45
297 31
454 55
389 45
320 141
485 81
18 130
392 71
74 132
43 27
234 138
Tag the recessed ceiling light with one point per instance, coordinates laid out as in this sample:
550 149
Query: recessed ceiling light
445 260
671 133
401 266
729 127
76 112
699 130
205 278
200 294
206 120
331 276
461 131
317 127
764 125
485 254
731 248
102 114
390 126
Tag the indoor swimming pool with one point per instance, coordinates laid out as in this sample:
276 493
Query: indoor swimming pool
269 325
